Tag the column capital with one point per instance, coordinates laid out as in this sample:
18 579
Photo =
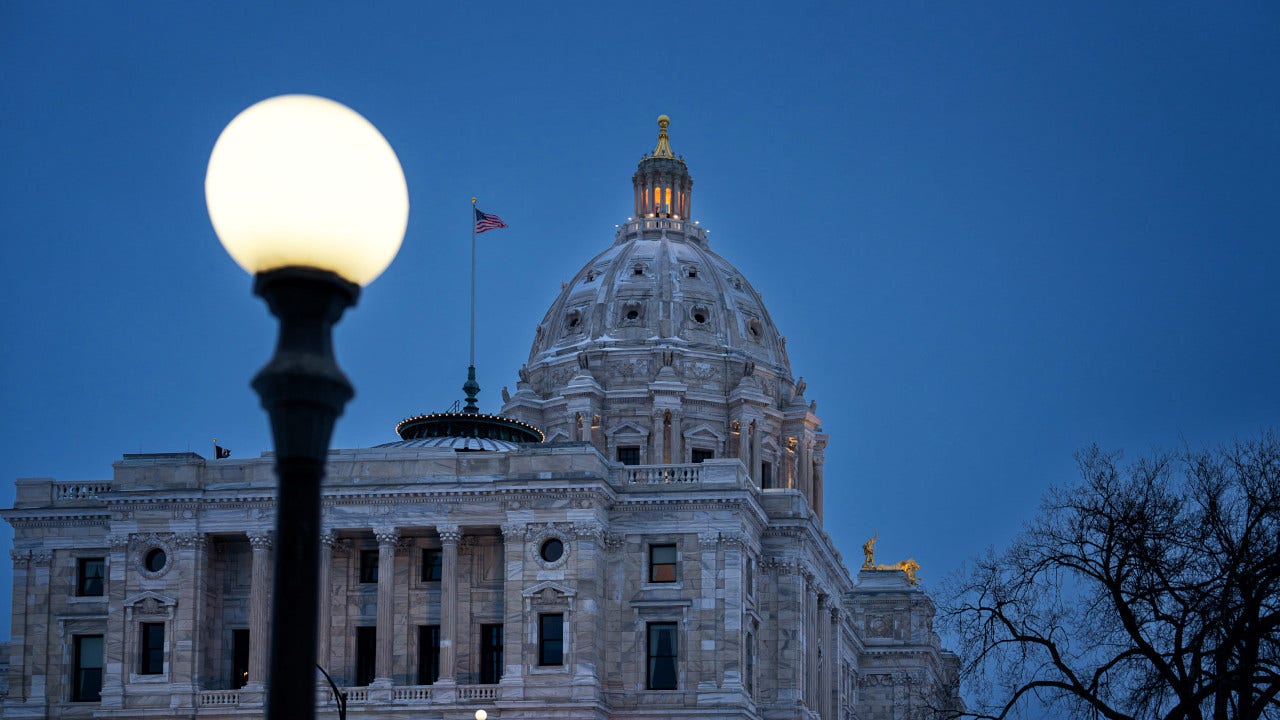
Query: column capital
21 558
329 537
259 539
190 541
118 542
513 530
449 534
41 558
386 536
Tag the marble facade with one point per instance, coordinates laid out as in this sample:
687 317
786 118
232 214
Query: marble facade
671 528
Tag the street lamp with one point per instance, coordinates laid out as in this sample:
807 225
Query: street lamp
306 195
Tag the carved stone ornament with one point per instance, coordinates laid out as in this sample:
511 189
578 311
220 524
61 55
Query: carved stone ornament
149 605
118 542
190 541
614 542
259 539
21 558
449 533
386 536
514 531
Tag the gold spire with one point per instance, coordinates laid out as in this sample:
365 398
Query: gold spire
663 150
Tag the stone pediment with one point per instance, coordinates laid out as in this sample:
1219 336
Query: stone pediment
549 593
149 603
703 430
627 428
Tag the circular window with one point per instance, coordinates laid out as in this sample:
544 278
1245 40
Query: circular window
552 550
633 314
155 560
699 317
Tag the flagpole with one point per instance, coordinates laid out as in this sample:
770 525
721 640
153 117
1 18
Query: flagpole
471 387
472 360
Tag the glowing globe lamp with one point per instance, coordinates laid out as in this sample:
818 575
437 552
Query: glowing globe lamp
303 181
307 196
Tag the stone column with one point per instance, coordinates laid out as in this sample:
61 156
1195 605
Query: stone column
832 694
734 635
585 632
18 666
659 440
677 439
259 608
757 454
188 627
789 608
113 657
513 616
387 538
39 624
707 622
323 624
449 537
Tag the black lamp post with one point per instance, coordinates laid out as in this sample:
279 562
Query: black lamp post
307 195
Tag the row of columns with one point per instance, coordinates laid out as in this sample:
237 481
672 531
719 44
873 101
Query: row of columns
388 539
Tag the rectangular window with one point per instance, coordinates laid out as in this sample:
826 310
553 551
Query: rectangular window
368 566
239 658
766 475
551 639
428 654
89 576
662 656
629 455
86 683
662 563
490 654
366 650
700 454
432 565
151 649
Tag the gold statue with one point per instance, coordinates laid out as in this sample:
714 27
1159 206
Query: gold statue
908 566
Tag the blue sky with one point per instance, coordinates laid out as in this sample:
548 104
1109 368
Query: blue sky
991 232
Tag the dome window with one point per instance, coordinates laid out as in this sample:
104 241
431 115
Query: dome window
573 321
700 315
691 271
637 270
632 313
755 328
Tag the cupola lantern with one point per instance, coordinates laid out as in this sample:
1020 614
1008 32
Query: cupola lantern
662 183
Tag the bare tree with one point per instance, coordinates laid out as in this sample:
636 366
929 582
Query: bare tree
1147 590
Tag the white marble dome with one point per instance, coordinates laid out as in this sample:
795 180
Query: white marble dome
659 351
660 285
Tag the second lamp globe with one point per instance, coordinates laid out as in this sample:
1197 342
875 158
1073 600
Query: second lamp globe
302 181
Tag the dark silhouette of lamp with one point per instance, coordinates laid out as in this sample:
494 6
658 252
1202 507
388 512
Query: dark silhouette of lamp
306 195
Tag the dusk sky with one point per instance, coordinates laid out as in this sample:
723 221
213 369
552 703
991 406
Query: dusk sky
992 233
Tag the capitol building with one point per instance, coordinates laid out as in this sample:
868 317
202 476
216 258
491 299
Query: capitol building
638 534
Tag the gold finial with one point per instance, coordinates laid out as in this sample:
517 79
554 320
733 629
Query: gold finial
473 201
869 550
663 150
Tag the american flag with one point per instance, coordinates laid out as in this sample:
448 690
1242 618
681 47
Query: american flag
485 221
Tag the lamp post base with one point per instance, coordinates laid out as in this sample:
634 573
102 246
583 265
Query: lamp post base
304 391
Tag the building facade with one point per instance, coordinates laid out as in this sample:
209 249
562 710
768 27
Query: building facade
661 553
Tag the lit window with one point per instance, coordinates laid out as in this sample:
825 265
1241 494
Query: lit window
551 639
86 681
89 576
368 566
432 565
151 650
662 656
662 563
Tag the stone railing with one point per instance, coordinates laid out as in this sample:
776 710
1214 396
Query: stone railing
413 692
64 491
719 473
213 698
477 692
662 474
636 227
357 694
